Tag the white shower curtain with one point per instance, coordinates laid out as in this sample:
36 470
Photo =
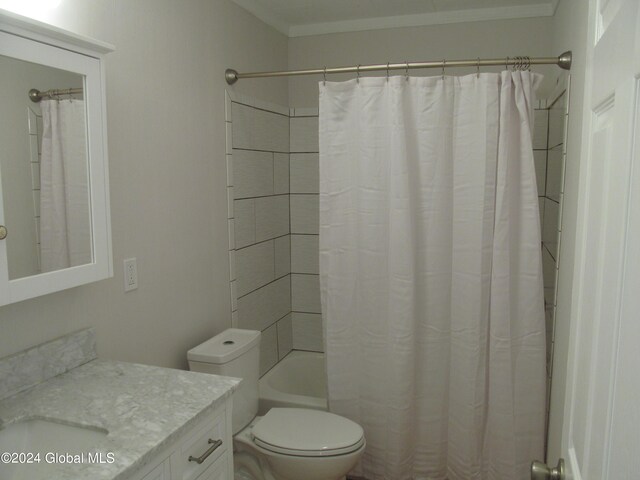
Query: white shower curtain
65 223
430 273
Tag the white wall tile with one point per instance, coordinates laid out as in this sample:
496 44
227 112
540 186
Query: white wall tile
259 130
305 173
305 112
229 159
268 349
228 138
36 202
33 124
550 227
40 125
548 269
272 217
540 161
304 134
307 332
34 148
229 202
254 266
245 219
227 107
263 307
556 125
540 125
304 254
550 313
285 336
549 295
280 173
271 107
541 207
232 264
283 255
554 173
35 176
232 236
252 173
305 214
234 295
305 293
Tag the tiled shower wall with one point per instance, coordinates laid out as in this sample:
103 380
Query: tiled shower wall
549 132
305 211
273 178
552 189
34 115
259 232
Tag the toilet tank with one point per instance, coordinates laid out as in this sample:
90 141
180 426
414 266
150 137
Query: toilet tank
233 353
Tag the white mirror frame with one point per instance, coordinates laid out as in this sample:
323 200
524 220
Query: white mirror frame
36 42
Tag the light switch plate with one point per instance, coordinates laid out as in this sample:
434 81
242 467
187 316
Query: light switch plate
130 274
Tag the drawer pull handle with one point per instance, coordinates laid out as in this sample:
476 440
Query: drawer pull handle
214 445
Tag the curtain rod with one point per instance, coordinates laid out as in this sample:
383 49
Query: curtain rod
523 63
36 95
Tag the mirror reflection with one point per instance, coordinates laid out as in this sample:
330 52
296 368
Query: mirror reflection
43 168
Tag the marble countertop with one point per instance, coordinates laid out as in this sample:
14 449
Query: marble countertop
143 408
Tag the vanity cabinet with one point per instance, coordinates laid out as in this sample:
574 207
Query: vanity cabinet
210 440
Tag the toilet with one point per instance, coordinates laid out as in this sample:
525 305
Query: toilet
285 443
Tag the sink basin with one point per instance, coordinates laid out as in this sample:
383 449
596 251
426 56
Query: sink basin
46 438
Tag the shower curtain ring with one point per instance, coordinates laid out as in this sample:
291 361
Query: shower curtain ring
506 64
444 63
388 71
358 74
324 82
406 71
528 67
478 68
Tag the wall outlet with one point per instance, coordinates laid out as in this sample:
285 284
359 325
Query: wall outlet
130 274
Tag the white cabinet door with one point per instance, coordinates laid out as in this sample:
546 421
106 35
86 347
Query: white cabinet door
601 428
161 472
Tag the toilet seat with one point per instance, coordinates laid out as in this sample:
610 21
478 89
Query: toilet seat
307 433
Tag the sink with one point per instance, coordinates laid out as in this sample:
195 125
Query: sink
44 437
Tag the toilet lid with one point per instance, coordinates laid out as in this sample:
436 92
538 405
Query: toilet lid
304 432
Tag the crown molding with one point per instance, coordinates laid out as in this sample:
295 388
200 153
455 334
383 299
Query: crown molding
423 19
399 21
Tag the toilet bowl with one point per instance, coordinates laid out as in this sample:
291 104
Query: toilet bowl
296 445
286 443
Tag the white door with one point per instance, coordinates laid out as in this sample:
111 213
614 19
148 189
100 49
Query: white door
601 430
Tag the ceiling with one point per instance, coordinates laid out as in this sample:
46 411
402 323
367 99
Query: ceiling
297 18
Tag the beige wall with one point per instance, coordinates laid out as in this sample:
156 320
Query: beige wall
569 33
531 36
165 105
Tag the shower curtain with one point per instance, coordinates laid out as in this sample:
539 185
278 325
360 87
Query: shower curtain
65 224
430 273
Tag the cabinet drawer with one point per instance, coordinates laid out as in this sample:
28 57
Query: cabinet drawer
217 471
207 444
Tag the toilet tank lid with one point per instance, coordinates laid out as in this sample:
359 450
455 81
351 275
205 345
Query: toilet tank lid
225 346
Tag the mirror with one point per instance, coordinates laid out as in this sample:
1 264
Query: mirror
55 230
44 168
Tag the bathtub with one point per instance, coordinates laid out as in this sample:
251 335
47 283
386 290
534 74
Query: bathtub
298 380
